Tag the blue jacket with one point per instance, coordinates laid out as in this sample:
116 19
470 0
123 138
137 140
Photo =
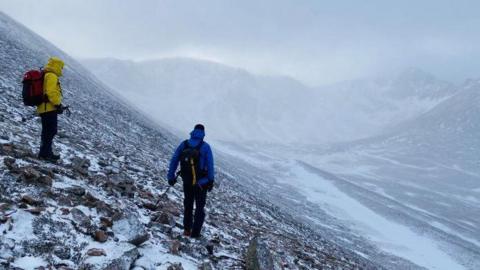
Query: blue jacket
206 157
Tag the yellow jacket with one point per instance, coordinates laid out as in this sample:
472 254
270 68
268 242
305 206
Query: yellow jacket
51 85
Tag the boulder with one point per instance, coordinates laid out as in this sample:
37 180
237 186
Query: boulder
125 261
30 200
100 236
131 230
9 163
175 247
76 190
81 221
164 218
96 252
36 210
258 256
175 266
80 165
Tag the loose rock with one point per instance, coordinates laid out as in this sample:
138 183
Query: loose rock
96 252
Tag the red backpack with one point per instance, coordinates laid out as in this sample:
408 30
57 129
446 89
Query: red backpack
33 88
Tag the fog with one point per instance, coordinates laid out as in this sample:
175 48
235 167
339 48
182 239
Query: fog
316 42
363 109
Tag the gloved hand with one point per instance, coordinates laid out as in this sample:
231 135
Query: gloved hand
210 186
205 183
172 182
59 108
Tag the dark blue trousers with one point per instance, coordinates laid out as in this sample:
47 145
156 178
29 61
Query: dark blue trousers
193 194
49 130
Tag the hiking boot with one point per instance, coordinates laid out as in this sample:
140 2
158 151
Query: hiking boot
50 158
196 235
187 233
54 157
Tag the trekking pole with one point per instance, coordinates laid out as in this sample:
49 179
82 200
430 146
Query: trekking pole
28 118
68 113
166 191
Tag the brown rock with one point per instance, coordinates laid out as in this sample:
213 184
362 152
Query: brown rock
30 174
175 247
140 239
7 148
175 266
76 190
9 163
36 210
4 219
30 200
100 236
45 180
150 206
165 218
65 211
106 222
96 252
4 206
22 205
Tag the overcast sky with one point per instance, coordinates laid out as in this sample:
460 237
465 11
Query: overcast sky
315 41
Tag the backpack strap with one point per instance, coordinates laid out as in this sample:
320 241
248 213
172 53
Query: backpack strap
187 145
199 146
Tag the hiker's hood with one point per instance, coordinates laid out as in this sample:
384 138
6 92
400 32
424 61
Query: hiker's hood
196 137
55 65
197 134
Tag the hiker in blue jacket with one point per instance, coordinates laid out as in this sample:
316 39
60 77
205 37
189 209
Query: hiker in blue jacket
197 172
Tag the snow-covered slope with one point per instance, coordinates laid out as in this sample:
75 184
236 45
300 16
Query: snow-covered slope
371 107
413 192
240 106
106 205
425 171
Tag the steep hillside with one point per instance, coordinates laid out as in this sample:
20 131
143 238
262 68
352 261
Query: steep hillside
426 171
369 107
106 205
413 192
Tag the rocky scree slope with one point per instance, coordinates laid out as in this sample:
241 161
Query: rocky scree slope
106 205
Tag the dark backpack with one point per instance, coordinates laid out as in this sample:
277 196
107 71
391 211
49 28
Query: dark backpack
32 93
190 164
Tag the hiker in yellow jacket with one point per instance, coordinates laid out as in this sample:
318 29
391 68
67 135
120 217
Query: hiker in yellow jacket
50 109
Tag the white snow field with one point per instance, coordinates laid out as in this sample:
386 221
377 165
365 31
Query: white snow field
388 235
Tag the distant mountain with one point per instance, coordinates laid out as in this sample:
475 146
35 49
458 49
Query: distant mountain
239 106
427 167
233 103
450 131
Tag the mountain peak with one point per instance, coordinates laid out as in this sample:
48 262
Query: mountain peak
415 74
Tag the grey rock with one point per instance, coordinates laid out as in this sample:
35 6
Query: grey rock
81 221
63 252
76 190
258 256
175 266
131 229
125 261
81 165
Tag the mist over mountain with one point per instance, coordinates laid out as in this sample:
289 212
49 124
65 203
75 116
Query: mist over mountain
372 173
241 106
106 205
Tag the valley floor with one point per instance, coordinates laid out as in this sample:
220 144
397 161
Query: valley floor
335 184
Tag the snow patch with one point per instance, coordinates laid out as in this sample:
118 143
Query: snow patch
388 235
29 262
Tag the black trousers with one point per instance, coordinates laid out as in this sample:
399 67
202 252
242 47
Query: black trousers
193 194
49 130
